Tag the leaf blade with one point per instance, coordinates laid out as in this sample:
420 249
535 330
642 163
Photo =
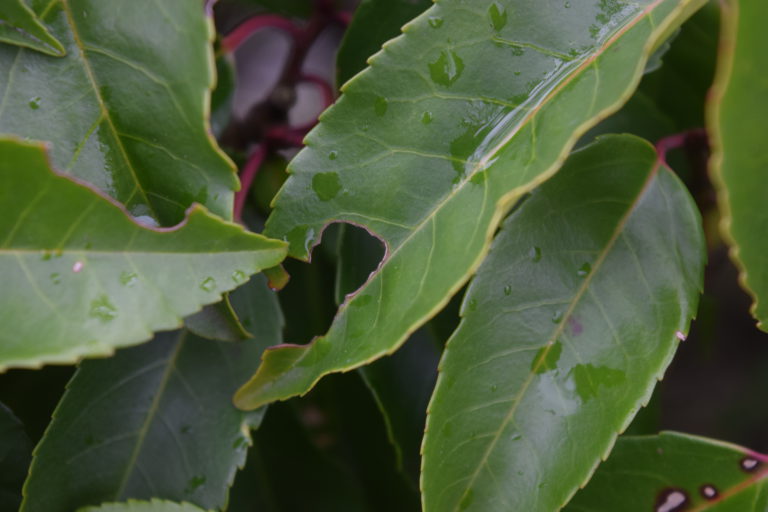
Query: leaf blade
168 400
81 278
86 104
20 26
566 327
502 151
736 119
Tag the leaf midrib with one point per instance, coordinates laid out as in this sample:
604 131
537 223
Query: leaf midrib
618 230
105 114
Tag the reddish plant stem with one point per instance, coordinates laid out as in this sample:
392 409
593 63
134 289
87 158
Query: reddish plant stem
325 88
679 140
247 175
234 39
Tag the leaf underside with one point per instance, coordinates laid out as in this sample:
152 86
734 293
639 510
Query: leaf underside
155 420
15 451
455 125
676 473
738 120
85 280
20 26
568 324
126 109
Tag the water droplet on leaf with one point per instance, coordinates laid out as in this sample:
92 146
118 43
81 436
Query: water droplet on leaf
498 15
708 491
508 290
128 278
239 276
34 103
435 22
56 278
447 68
535 254
208 284
584 270
557 317
333 155
426 118
194 483
326 185
103 309
380 106
749 464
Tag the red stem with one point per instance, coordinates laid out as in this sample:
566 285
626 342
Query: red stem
234 39
676 141
247 175
324 87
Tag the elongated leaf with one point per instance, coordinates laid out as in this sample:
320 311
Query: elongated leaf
20 26
15 451
143 506
155 420
126 108
84 278
473 106
568 324
738 120
674 473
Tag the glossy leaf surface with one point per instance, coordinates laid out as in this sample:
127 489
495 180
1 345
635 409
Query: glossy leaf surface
155 420
676 473
88 279
738 120
20 26
568 324
126 109
15 453
455 125
143 506
374 23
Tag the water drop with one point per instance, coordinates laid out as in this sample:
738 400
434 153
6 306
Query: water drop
102 309
584 270
494 387
128 278
46 256
671 500
380 106
194 483
435 22
34 103
77 267
55 278
557 317
472 305
498 15
508 290
239 276
147 220
567 5
447 68
749 464
535 254
426 118
185 429
326 185
708 491
208 284
333 155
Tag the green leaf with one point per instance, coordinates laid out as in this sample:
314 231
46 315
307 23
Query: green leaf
86 278
474 105
217 322
155 420
676 472
126 110
15 452
143 506
738 119
374 23
20 26
566 328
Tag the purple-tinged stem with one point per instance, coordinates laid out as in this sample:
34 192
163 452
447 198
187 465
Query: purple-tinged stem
247 175
234 39
676 141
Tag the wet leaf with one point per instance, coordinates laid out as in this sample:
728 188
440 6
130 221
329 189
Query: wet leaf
155 420
143 506
738 119
15 454
126 109
20 26
568 324
676 473
88 279
217 322
473 106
